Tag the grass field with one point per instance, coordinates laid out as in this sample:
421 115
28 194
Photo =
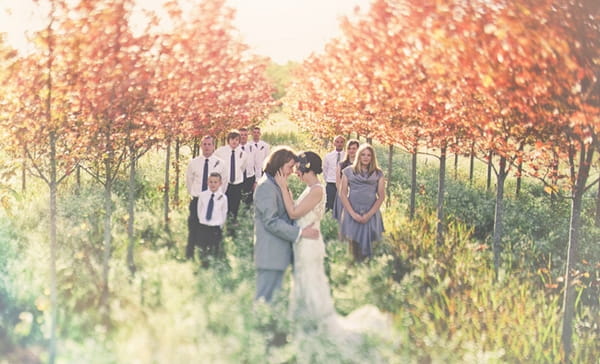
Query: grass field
446 306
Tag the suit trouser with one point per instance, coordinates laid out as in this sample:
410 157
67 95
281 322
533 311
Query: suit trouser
247 189
210 238
268 281
234 196
331 191
193 229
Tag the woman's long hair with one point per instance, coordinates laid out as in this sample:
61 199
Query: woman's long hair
372 167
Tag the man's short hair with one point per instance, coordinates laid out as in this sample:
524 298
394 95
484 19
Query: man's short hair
233 134
216 174
278 157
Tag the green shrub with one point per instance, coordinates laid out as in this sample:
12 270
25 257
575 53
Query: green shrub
456 311
445 304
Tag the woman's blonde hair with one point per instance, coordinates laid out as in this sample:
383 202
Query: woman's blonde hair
372 167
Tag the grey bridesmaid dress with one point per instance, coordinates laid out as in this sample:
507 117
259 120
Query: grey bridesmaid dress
362 194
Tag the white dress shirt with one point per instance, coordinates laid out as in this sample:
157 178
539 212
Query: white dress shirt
224 153
330 163
249 150
219 213
195 170
261 151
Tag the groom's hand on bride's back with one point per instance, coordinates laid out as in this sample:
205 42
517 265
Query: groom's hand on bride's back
310 232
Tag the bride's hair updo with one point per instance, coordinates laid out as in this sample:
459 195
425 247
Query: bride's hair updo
309 161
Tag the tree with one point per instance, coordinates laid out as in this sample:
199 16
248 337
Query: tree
41 119
577 117
208 83
112 93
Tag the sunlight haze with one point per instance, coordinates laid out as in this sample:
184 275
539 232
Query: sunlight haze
285 30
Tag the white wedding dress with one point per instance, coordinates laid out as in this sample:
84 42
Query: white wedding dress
321 333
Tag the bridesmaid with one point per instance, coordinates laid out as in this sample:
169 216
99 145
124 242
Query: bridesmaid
351 148
362 193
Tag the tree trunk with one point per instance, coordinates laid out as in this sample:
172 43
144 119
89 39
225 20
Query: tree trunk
24 172
78 180
499 215
53 182
413 184
577 192
177 172
53 247
520 171
390 165
166 191
471 164
107 233
519 178
370 140
554 179
597 220
440 200
489 172
131 197
196 148
456 166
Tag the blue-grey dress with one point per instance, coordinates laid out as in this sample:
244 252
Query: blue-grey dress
362 194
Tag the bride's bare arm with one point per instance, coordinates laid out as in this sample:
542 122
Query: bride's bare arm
308 203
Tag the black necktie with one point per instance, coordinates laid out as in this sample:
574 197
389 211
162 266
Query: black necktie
205 175
337 160
232 167
211 206
244 168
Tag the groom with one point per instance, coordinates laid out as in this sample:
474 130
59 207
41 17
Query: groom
274 231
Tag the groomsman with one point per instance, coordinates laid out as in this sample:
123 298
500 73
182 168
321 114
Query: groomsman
331 160
249 173
235 164
261 151
196 180
212 213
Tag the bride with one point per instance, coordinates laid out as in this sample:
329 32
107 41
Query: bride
311 304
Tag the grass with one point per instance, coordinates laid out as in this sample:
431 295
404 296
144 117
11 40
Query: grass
446 306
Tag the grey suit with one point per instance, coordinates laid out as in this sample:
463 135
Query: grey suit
274 234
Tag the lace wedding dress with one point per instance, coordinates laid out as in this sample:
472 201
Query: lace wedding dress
322 335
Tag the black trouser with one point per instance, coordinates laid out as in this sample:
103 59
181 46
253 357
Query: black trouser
209 242
331 191
247 189
234 196
193 229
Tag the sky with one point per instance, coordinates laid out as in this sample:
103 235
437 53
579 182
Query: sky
290 30
285 30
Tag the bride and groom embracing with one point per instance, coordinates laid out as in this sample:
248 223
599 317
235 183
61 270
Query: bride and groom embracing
287 232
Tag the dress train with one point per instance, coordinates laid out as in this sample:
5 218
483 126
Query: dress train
321 334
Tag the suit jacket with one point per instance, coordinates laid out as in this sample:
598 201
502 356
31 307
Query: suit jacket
274 232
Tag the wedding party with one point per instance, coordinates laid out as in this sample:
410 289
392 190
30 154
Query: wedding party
299 182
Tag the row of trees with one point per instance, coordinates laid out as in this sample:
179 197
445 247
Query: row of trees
518 80
95 95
